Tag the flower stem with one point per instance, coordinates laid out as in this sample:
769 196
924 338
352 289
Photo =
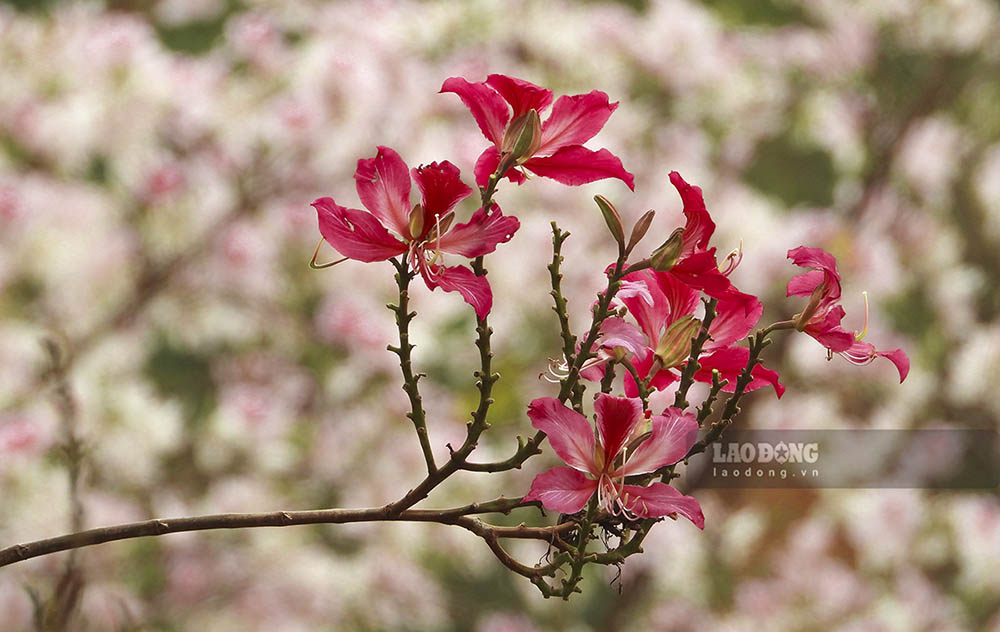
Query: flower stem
403 317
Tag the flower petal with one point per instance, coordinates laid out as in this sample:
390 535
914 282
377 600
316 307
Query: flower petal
474 289
732 322
651 314
828 331
383 184
487 164
520 94
569 432
730 362
660 499
576 164
900 359
486 105
699 226
441 188
616 419
480 235
674 432
354 233
575 120
615 332
562 489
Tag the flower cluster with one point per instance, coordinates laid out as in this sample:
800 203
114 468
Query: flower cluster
678 294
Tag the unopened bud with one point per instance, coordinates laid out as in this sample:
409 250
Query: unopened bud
611 218
675 344
802 319
639 230
664 257
523 137
417 221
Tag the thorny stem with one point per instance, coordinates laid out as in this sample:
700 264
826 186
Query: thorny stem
687 375
570 388
641 385
705 410
403 317
757 344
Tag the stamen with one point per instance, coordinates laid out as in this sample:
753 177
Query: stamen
320 266
732 260
864 332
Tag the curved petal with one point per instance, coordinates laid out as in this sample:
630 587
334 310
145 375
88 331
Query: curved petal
828 331
474 289
804 284
480 235
520 94
486 105
900 359
660 499
569 432
732 322
814 258
383 184
681 298
615 332
730 362
651 314
562 489
616 419
354 233
575 120
441 189
576 164
699 226
674 432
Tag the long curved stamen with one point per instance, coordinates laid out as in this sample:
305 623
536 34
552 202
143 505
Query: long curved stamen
328 264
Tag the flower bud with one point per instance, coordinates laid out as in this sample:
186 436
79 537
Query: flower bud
639 230
675 344
612 219
523 137
664 257
417 221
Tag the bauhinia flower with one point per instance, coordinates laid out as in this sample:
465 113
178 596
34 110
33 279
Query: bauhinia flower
424 231
668 322
823 314
507 111
623 448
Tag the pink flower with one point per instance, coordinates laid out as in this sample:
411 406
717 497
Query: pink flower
672 301
822 316
601 466
425 231
697 265
500 103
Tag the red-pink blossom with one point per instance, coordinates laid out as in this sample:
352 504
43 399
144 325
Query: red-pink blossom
601 466
424 231
559 152
822 316
671 300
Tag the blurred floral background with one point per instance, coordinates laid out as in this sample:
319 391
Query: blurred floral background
165 350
